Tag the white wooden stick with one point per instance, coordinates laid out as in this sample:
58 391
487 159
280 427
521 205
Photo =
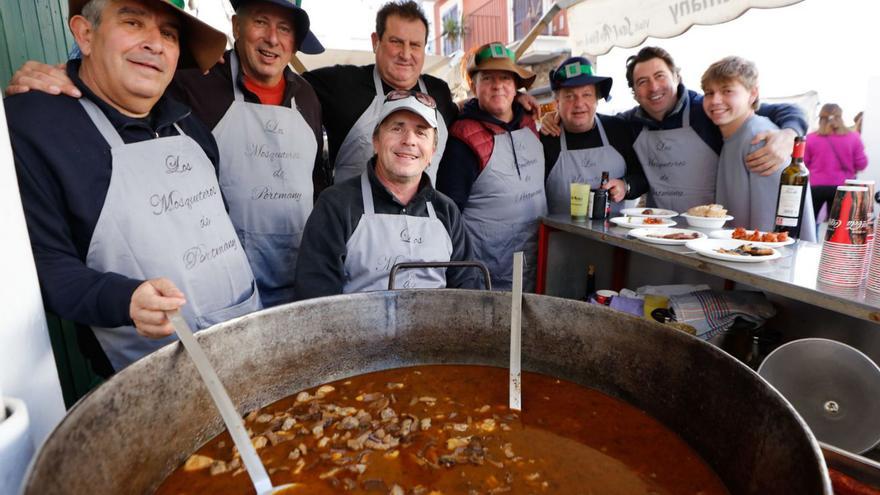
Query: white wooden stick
516 334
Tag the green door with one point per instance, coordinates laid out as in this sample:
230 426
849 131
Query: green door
32 30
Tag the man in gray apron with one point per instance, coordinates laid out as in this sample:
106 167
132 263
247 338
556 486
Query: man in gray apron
120 189
389 214
498 159
267 123
591 143
677 143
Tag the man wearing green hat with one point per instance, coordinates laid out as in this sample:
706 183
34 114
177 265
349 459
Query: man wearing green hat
120 188
589 143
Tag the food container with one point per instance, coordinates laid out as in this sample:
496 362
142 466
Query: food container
135 429
706 222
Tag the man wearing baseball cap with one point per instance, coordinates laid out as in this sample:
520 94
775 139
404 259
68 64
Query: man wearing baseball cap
389 214
590 143
119 187
267 123
493 167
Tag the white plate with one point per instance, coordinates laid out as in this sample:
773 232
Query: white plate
645 235
658 212
725 234
635 222
707 247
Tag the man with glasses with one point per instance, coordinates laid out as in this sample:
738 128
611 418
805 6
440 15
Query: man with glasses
388 214
590 143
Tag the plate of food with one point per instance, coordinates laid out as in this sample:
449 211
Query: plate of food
733 250
645 222
707 216
770 239
648 212
669 237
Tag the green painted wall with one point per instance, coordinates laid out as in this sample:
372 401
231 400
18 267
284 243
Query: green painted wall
32 29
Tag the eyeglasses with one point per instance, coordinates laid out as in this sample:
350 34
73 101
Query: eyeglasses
572 70
494 50
402 94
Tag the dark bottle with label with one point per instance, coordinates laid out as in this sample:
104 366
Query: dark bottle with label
591 282
601 205
793 186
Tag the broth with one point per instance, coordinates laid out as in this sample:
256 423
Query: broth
446 429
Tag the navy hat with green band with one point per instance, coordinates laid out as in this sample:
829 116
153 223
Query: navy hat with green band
578 71
306 41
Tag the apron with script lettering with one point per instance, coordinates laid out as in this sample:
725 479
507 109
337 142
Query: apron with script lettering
680 166
503 210
267 154
163 216
380 241
357 148
583 167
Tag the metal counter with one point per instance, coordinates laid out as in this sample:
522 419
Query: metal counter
792 276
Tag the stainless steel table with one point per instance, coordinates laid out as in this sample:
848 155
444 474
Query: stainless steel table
794 275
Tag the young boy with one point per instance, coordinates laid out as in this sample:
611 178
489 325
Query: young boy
730 86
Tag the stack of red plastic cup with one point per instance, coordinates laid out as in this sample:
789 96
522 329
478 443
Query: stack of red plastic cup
872 216
846 241
873 283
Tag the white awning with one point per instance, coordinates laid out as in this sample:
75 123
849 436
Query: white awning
595 26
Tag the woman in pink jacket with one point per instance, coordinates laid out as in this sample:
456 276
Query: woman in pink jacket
833 154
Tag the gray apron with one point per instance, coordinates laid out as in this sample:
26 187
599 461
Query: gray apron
583 167
680 166
164 217
267 153
382 240
501 214
357 148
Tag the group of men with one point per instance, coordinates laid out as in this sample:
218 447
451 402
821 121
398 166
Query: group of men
154 178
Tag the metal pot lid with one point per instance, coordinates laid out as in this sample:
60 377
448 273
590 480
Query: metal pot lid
834 388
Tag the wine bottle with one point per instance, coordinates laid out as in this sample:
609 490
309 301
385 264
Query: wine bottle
793 186
591 282
601 206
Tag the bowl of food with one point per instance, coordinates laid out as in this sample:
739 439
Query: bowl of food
707 216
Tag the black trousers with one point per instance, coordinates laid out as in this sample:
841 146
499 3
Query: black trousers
822 195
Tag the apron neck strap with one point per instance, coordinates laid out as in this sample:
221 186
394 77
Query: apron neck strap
686 116
563 143
602 134
233 67
378 82
431 213
367 194
237 94
111 135
380 91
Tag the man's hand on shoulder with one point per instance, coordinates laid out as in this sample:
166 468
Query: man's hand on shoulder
550 124
775 154
149 302
47 78
530 103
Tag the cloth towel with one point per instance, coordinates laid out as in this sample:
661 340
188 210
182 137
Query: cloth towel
712 312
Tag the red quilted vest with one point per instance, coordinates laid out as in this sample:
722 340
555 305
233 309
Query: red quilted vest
479 136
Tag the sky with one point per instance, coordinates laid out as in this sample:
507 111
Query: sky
812 45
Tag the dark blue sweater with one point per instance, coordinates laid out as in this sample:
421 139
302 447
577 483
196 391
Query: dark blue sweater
64 166
783 115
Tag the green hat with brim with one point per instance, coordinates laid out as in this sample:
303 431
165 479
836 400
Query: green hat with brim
200 44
